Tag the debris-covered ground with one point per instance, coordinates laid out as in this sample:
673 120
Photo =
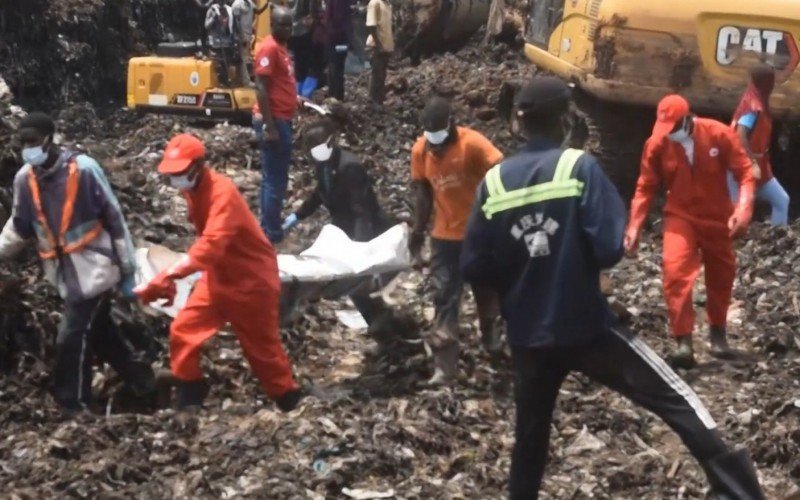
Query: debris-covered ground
375 427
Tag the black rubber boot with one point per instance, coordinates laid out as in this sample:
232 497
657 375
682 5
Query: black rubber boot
290 400
684 354
719 342
492 336
191 394
733 477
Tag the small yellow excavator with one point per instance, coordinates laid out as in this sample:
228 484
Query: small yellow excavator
180 79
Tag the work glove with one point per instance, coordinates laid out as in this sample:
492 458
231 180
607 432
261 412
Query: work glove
160 287
631 242
126 286
289 222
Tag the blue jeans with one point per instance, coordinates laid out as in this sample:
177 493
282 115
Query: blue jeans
773 193
275 158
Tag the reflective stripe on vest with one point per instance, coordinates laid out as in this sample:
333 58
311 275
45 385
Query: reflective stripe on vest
562 186
60 246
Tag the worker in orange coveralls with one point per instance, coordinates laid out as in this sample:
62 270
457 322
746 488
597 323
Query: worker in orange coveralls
690 157
239 284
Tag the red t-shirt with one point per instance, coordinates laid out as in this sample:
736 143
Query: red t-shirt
273 61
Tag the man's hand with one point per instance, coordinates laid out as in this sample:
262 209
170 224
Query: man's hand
737 225
415 241
161 287
126 286
756 170
631 243
289 222
271 131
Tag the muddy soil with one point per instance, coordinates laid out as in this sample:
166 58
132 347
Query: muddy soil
374 427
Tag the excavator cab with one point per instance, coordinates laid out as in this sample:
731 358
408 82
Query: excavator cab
181 78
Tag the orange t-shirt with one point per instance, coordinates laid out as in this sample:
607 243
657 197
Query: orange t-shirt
454 176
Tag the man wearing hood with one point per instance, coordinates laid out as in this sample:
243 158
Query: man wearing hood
753 123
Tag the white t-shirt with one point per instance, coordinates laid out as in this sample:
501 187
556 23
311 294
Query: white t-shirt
379 14
244 10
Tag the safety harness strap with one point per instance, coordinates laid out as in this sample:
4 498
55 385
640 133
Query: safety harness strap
60 245
562 186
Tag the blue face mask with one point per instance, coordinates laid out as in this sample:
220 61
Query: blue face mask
35 156
437 137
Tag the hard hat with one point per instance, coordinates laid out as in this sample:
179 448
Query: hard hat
180 152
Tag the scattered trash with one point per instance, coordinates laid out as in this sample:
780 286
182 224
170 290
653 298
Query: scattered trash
360 494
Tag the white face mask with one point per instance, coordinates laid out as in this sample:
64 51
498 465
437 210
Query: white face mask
436 138
35 156
322 152
185 182
682 134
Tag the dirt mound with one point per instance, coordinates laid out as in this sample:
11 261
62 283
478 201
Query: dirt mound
374 426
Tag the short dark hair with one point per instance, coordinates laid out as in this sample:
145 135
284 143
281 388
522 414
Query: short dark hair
436 110
39 121
320 129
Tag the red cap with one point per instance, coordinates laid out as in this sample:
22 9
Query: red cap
180 152
671 110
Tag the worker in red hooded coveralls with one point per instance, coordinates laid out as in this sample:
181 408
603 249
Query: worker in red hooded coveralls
690 157
239 283
753 122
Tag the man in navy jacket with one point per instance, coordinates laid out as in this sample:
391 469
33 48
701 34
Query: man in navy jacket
544 224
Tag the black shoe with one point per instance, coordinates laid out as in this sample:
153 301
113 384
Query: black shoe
733 477
290 400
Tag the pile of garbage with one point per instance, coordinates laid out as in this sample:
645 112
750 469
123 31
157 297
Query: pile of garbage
374 430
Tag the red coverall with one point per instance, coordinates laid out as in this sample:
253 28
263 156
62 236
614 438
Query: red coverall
240 286
695 216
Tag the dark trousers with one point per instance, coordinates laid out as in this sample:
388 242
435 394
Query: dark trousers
448 285
86 331
275 159
224 58
624 364
377 82
336 62
309 58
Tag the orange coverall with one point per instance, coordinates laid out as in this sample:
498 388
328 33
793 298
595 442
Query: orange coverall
695 216
240 286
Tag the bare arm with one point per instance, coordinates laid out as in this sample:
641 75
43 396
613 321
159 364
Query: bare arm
423 205
373 32
260 10
262 86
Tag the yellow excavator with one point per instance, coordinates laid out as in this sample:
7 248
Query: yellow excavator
625 55
636 51
180 79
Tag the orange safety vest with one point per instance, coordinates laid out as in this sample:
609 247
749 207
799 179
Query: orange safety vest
60 246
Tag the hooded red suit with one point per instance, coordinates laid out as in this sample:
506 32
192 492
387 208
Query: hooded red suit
696 216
